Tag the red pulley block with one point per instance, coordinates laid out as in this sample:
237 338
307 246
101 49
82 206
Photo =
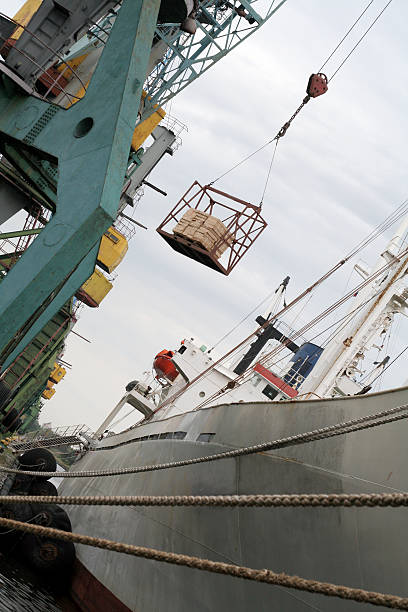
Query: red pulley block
317 85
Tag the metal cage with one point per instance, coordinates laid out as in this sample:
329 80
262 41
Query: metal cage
242 221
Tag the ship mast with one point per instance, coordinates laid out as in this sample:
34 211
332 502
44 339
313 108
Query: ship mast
269 332
370 315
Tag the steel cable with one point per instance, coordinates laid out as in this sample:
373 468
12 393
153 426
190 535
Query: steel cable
310 436
359 41
242 377
345 36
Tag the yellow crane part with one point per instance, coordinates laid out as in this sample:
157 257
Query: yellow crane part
142 130
94 290
146 127
48 393
112 250
24 15
57 374
9 440
64 69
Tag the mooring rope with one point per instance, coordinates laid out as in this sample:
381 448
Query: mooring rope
310 436
303 500
238 571
135 440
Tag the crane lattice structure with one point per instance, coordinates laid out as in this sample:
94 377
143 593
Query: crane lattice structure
221 27
66 156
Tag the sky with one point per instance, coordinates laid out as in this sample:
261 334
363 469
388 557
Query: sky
338 172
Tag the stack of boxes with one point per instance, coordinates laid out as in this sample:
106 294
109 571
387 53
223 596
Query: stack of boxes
204 230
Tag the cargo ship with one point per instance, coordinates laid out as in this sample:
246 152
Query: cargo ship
196 406
56 142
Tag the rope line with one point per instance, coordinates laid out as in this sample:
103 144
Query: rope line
285 127
321 500
135 440
310 436
389 365
359 41
346 34
242 161
268 356
258 575
285 309
269 171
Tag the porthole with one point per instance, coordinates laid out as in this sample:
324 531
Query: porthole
83 127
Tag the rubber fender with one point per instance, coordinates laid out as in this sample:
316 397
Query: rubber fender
9 420
42 487
38 460
22 483
50 515
47 556
9 538
16 512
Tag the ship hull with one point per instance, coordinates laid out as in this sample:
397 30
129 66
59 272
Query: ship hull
358 547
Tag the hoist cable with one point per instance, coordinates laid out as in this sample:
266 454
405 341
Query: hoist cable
268 297
359 41
242 161
345 36
269 171
283 130
380 229
308 290
241 378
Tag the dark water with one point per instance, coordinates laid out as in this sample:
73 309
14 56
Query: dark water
20 590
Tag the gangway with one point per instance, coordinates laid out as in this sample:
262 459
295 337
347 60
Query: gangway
73 435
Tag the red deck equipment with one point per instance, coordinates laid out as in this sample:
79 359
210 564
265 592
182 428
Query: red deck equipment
164 366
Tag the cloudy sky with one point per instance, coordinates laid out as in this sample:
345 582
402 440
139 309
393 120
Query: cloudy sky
339 171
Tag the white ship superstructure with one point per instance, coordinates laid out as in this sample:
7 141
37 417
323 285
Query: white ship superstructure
371 314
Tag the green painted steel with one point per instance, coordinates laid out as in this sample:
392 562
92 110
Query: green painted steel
77 278
28 375
39 348
90 144
28 232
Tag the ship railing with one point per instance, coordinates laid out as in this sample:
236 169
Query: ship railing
289 332
53 79
71 435
58 432
125 227
175 126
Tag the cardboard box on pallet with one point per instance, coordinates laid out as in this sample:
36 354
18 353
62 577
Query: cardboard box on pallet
204 230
